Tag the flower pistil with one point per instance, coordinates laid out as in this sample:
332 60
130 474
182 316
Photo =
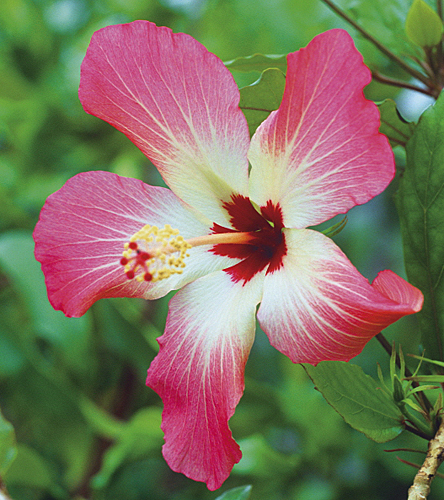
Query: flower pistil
154 254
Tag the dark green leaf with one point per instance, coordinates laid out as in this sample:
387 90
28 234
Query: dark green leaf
240 493
262 97
393 124
258 62
358 399
420 202
8 450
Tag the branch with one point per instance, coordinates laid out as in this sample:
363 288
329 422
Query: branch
401 84
435 456
391 55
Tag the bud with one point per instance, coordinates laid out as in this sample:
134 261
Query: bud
423 25
398 391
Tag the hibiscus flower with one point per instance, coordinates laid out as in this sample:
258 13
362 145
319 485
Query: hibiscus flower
231 239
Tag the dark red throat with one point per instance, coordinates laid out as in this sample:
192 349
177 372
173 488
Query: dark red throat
267 247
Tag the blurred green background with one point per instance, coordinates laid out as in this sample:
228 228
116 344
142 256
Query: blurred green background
74 389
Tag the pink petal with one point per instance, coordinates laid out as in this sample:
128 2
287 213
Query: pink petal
321 153
83 227
395 288
199 373
177 102
318 307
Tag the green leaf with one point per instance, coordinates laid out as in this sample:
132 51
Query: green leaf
240 493
258 62
385 21
30 469
140 436
70 336
11 359
433 361
393 125
262 97
430 379
8 448
336 228
260 460
423 25
103 423
420 203
358 399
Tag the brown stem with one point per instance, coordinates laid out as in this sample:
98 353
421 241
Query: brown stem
435 456
392 56
399 83
410 450
416 431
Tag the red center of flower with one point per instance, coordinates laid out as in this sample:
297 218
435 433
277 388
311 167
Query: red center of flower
267 246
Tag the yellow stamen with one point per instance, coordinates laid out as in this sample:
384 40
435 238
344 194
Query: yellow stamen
154 254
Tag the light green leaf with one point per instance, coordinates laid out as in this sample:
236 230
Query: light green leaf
240 493
102 422
423 25
393 124
258 62
358 399
420 203
262 97
8 448
259 459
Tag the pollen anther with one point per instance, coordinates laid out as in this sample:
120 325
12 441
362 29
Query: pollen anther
154 254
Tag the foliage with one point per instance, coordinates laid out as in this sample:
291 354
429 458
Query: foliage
358 398
262 97
393 125
7 445
423 222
